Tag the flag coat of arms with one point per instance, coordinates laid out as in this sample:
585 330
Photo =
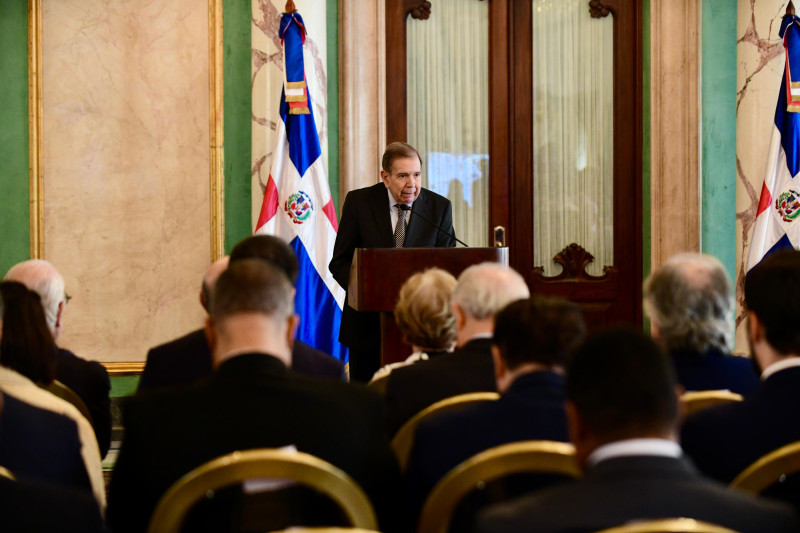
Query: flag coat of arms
297 204
777 223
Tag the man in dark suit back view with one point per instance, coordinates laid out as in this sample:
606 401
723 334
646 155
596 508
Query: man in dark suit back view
251 401
482 290
188 358
530 345
379 217
690 302
622 408
724 440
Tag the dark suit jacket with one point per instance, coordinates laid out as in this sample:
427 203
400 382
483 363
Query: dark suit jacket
251 401
89 380
618 490
724 440
32 507
412 388
366 223
188 359
714 370
531 409
40 445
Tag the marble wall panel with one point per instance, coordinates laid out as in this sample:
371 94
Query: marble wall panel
267 83
126 168
760 59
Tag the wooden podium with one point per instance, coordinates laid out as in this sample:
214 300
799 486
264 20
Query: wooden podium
377 274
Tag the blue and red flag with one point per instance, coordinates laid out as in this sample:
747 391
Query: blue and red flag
777 223
297 201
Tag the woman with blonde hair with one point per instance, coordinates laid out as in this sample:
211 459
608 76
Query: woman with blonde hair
424 317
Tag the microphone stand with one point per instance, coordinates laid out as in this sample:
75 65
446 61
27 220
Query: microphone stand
404 207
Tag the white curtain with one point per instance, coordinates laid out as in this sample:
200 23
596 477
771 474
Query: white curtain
448 99
573 133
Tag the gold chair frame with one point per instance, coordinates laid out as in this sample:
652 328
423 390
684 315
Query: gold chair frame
538 456
404 439
6 473
68 395
768 469
698 400
673 525
326 530
262 463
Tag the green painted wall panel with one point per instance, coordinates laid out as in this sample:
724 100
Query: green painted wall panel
14 196
718 102
236 20
332 29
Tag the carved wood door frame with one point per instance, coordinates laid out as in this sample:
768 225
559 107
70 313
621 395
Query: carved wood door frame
615 296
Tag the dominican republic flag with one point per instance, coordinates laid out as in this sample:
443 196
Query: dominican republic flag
778 219
297 202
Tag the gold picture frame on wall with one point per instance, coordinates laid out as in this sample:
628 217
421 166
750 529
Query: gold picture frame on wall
216 143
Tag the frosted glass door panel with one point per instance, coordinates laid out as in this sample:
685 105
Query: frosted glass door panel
573 133
448 113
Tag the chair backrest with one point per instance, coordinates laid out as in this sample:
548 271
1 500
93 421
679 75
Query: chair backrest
237 467
4 472
674 525
67 394
770 469
529 457
326 530
698 400
404 439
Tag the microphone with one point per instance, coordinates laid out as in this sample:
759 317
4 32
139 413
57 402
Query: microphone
405 207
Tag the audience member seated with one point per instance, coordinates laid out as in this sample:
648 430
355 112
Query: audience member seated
690 301
622 409
188 359
424 317
34 507
40 445
724 440
251 401
88 379
531 341
482 290
27 357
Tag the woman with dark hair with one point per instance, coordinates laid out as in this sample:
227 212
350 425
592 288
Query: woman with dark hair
28 359
27 345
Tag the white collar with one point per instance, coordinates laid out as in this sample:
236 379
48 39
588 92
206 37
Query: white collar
631 447
789 362
487 335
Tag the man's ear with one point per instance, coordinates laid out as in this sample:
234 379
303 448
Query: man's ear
460 316
500 369
293 322
59 317
755 328
211 335
385 178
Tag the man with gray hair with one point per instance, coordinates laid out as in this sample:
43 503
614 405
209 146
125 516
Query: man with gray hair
89 379
690 302
481 292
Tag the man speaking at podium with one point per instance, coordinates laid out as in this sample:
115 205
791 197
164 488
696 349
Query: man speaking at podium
390 214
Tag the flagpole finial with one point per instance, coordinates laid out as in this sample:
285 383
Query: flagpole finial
291 9
790 9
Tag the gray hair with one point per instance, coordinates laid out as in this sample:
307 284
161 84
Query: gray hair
252 286
43 278
485 289
690 298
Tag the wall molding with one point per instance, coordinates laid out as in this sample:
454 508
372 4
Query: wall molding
674 91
